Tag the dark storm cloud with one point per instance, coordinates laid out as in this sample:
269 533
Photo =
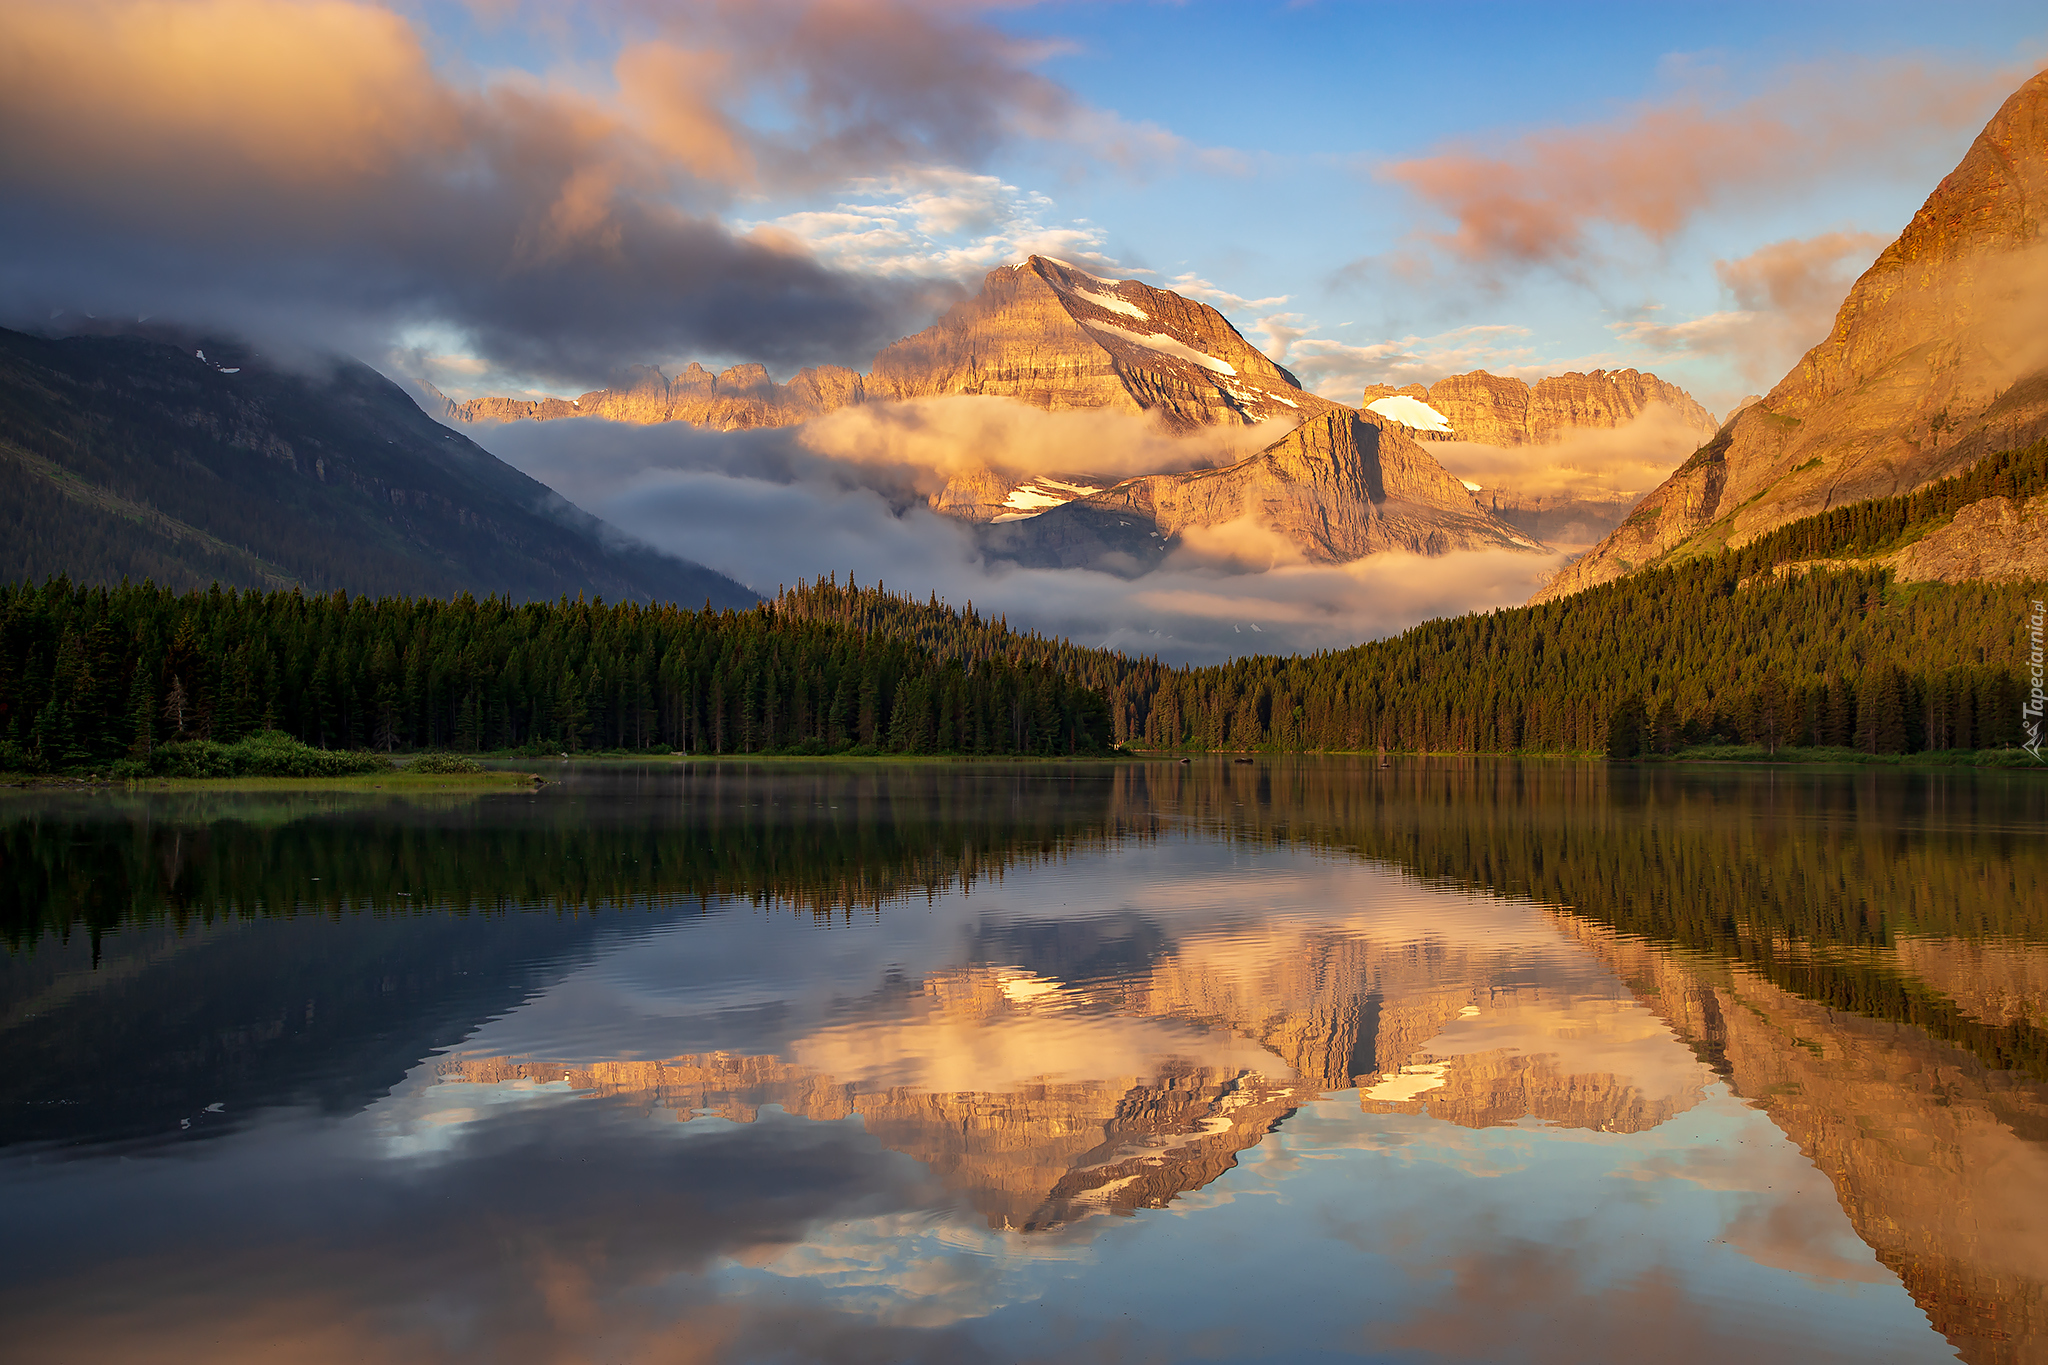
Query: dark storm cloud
303 170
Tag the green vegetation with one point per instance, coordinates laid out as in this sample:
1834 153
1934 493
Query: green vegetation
267 753
90 676
1681 654
1716 651
1881 525
443 764
389 782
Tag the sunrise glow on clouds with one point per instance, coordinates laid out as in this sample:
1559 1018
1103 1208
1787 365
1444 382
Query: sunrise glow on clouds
563 190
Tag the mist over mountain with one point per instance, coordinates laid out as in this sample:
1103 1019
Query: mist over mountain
1937 358
194 463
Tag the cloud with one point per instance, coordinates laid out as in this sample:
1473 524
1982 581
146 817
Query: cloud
306 171
772 506
1785 296
1586 463
1554 198
938 221
962 433
301 170
1341 370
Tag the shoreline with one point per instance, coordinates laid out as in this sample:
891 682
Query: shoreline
398 782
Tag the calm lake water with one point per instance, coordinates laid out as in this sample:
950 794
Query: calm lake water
1293 1061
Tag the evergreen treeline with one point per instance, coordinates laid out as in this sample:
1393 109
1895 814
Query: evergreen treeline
1884 524
1126 682
92 675
1666 658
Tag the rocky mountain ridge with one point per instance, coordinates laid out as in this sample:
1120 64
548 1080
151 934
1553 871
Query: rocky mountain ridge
1501 410
1936 358
1341 486
1041 331
142 457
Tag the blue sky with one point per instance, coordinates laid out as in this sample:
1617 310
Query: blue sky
1285 118
1318 97
507 196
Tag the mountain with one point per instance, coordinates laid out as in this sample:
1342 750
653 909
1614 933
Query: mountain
1059 338
1937 358
1041 332
1045 333
138 457
1500 410
1573 501
732 400
1340 486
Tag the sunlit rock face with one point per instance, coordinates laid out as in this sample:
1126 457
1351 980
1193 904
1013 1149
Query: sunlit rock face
1059 338
732 400
1940 1162
1937 358
1500 410
1340 487
1040 332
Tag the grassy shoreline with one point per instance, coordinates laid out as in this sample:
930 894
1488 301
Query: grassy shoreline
398 782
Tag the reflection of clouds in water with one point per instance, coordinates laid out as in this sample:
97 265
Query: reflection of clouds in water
545 1218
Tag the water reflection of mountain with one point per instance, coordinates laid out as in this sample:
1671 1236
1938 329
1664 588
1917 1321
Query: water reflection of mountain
1860 955
1940 1162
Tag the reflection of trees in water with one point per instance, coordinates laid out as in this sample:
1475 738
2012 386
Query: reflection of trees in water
1827 885
830 841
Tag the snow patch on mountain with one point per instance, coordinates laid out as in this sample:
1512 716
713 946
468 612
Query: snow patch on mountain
1165 345
1411 412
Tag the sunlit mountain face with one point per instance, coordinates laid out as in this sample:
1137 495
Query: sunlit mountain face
933 1057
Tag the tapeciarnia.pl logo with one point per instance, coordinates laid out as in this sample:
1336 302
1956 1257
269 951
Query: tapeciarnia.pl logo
2030 710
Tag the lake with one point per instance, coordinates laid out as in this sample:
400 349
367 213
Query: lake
1295 1060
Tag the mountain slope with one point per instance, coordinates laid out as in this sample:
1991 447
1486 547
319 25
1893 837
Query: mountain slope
122 456
1059 338
1500 410
1341 486
1040 332
1937 358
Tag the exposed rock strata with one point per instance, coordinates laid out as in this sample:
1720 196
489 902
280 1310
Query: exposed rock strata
1499 410
1995 540
1339 487
1937 357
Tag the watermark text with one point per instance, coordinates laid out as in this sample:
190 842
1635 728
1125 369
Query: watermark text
2037 699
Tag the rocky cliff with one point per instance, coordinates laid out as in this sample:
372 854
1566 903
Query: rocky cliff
1040 331
1341 486
1059 338
1499 410
1937 357
734 399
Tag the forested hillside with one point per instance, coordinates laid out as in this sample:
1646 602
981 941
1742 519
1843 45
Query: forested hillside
1126 682
90 675
1844 658
198 463
1711 648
